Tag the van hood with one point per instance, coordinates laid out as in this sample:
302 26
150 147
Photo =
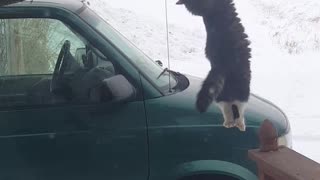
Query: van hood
179 110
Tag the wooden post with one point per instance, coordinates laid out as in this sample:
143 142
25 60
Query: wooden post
268 136
281 163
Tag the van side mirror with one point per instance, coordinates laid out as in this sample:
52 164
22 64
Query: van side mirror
119 88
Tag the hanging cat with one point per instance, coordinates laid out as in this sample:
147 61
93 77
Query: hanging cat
227 49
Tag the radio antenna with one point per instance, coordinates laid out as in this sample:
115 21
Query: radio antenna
168 47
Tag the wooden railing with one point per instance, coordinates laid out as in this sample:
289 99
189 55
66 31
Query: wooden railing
281 163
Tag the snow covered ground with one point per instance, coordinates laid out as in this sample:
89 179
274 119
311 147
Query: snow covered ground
285 36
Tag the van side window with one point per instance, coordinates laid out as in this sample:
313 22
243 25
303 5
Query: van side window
42 61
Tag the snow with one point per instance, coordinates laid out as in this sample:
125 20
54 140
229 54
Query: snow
285 36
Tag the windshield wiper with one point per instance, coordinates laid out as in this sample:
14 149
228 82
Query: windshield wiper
164 71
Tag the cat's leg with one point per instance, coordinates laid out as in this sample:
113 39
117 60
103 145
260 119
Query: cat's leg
226 109
240 121
211 88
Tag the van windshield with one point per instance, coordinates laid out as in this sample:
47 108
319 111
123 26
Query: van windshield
147 66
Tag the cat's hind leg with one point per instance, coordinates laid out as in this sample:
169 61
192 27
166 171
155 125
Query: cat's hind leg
210 90
226 109
240 119
233 114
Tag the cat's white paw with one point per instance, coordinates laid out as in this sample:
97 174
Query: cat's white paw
227 114
229 124
240 124
229 121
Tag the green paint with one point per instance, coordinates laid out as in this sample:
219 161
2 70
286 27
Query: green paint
155 136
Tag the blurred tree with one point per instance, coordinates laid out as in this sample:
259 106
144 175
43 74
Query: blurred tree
3 47
6 2
24 47
31 46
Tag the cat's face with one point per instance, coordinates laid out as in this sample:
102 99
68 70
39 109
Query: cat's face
198 7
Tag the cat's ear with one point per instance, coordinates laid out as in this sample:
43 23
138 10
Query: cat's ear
180 2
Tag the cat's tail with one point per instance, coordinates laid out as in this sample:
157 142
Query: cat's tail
211 88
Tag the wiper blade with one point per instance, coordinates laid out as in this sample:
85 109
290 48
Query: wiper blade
164 71
7 2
